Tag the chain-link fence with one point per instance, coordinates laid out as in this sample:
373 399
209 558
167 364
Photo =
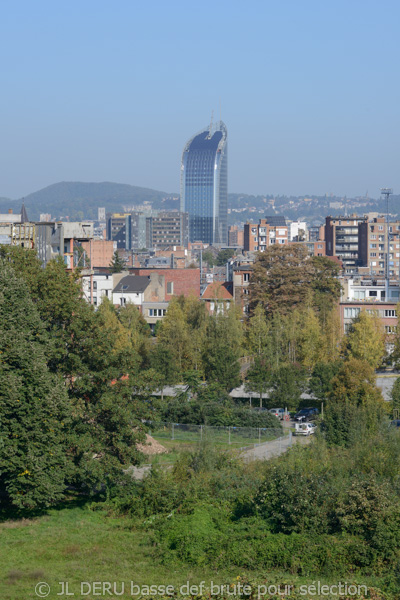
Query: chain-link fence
239 437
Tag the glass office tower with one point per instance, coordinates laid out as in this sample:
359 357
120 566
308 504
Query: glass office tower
204 185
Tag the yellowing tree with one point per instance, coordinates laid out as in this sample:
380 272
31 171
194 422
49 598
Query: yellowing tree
258 333
366 339
311 340
174 334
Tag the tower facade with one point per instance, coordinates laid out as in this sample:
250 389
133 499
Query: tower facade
204 185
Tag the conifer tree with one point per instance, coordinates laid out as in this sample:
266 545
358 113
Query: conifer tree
34 410
117 265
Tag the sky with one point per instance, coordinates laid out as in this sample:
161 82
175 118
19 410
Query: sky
97 90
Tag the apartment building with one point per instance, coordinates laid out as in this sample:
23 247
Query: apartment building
341 235
259 236
375 240
149 229
235 237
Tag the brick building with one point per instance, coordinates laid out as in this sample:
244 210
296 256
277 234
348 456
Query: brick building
373 246
271 230
178 282
235 236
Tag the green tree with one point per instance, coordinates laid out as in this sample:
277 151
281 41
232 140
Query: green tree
366 339
310 339
92 353
325 285
208 257
395 394
287 383
117 265
222 348
281 278
34 408
258 378
164 363
320 382
258 333
223 256
174 334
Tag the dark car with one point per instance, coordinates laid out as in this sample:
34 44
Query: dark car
395 423
306 414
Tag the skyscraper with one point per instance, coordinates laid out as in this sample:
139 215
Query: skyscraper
204 185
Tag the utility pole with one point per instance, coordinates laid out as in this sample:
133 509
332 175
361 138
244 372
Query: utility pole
386 192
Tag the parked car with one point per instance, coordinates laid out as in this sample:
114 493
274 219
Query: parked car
305 428
395 423
278 412
306 414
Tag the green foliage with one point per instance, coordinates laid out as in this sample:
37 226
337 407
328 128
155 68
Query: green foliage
117 265
223 256
219 410
34 410
395 394
259 377
366 339
320 382
284 276
287 384
208 257
222 349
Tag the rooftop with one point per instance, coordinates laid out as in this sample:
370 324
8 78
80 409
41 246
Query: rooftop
132 284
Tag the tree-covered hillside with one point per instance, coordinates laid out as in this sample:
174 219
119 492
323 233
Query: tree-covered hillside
80 200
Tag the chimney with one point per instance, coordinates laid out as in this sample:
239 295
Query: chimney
10 211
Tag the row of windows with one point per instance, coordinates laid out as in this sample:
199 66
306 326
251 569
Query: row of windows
157 312
352 312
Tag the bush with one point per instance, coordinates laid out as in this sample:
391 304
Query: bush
222 413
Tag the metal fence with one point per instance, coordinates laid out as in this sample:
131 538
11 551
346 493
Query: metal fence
232 436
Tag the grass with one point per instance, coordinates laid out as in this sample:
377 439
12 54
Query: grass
77 545
234 437
185 440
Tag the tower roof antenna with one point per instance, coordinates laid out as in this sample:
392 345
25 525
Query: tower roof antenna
211 125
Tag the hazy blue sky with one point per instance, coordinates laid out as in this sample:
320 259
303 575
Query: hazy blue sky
111 91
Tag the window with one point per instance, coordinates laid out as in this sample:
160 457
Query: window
95 285
373 237
246 292
122 301
372 254
351 312
390 313
372 246
373 293
170 287
150 312
281 241
380 227
246 277
359 294
390 329
319 246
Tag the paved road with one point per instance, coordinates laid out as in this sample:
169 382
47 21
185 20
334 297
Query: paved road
275 448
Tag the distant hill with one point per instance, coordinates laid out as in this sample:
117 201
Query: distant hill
81 200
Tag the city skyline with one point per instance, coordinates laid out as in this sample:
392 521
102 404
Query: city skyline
93 93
